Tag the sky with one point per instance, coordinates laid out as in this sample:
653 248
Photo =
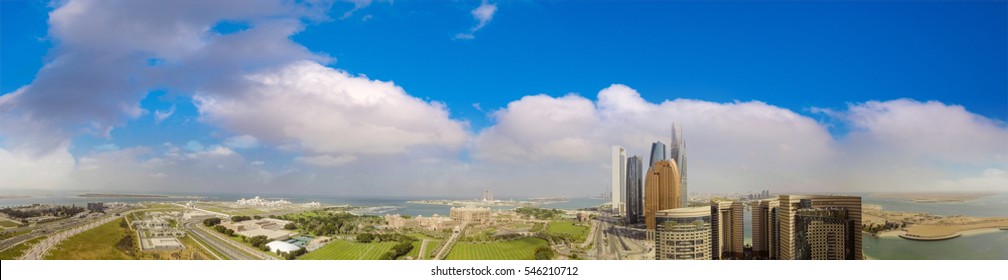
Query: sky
421 98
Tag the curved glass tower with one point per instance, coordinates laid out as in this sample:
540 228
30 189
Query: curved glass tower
657 153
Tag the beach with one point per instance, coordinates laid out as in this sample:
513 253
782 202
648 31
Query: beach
926 226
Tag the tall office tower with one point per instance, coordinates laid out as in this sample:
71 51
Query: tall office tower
618 178
486 196
683 234
661 190
819 227
728 230
677 152
657 153
762 221
634 190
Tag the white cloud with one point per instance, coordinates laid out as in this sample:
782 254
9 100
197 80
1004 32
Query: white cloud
99 67
902 145
358 4
19 170
242 142
324 110
327 160
160 116
483 15
740 145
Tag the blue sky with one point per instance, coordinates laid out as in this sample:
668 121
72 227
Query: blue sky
821 61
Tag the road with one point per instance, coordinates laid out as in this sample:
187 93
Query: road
51 227
229 252
451 242
423 248
40 250
226 245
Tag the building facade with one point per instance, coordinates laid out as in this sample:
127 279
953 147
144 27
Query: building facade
763 217
470 214
683 234
618 179
728 233
823 234
634 190
818 227
661 190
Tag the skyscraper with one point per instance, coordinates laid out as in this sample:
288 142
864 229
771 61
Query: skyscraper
763 217
818 227
727 230
677 152
657 153
661 190
618 178
634 190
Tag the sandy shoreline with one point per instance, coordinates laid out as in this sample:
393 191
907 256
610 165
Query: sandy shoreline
934 197
926 226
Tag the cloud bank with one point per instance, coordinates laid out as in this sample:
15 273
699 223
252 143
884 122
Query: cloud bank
325 130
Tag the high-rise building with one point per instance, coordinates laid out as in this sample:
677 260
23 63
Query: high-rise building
818 227
487 196
657 153
763 218
683 234
728 230
618 179
677 152
661 190
634 190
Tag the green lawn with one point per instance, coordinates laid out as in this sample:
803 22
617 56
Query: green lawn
413 253
9 223
346 250
518 249
12 234
18 250
560 228
432 247
98 243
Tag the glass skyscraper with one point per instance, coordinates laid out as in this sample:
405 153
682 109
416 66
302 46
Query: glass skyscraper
677 152
657 153
634 190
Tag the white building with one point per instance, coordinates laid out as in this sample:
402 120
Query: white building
261 202
618 179
281 246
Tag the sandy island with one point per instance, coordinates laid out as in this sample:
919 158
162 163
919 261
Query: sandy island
934 197
112 195
13 196
927 227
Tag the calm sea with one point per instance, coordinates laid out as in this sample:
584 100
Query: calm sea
991 246
375 206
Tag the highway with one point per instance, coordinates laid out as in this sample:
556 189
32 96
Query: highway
222 243
40 250
195 231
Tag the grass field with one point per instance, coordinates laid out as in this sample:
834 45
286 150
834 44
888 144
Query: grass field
9 223
413 253
577 232
12 234
346 250
16 251
98 243
518 249
230 211
432 247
